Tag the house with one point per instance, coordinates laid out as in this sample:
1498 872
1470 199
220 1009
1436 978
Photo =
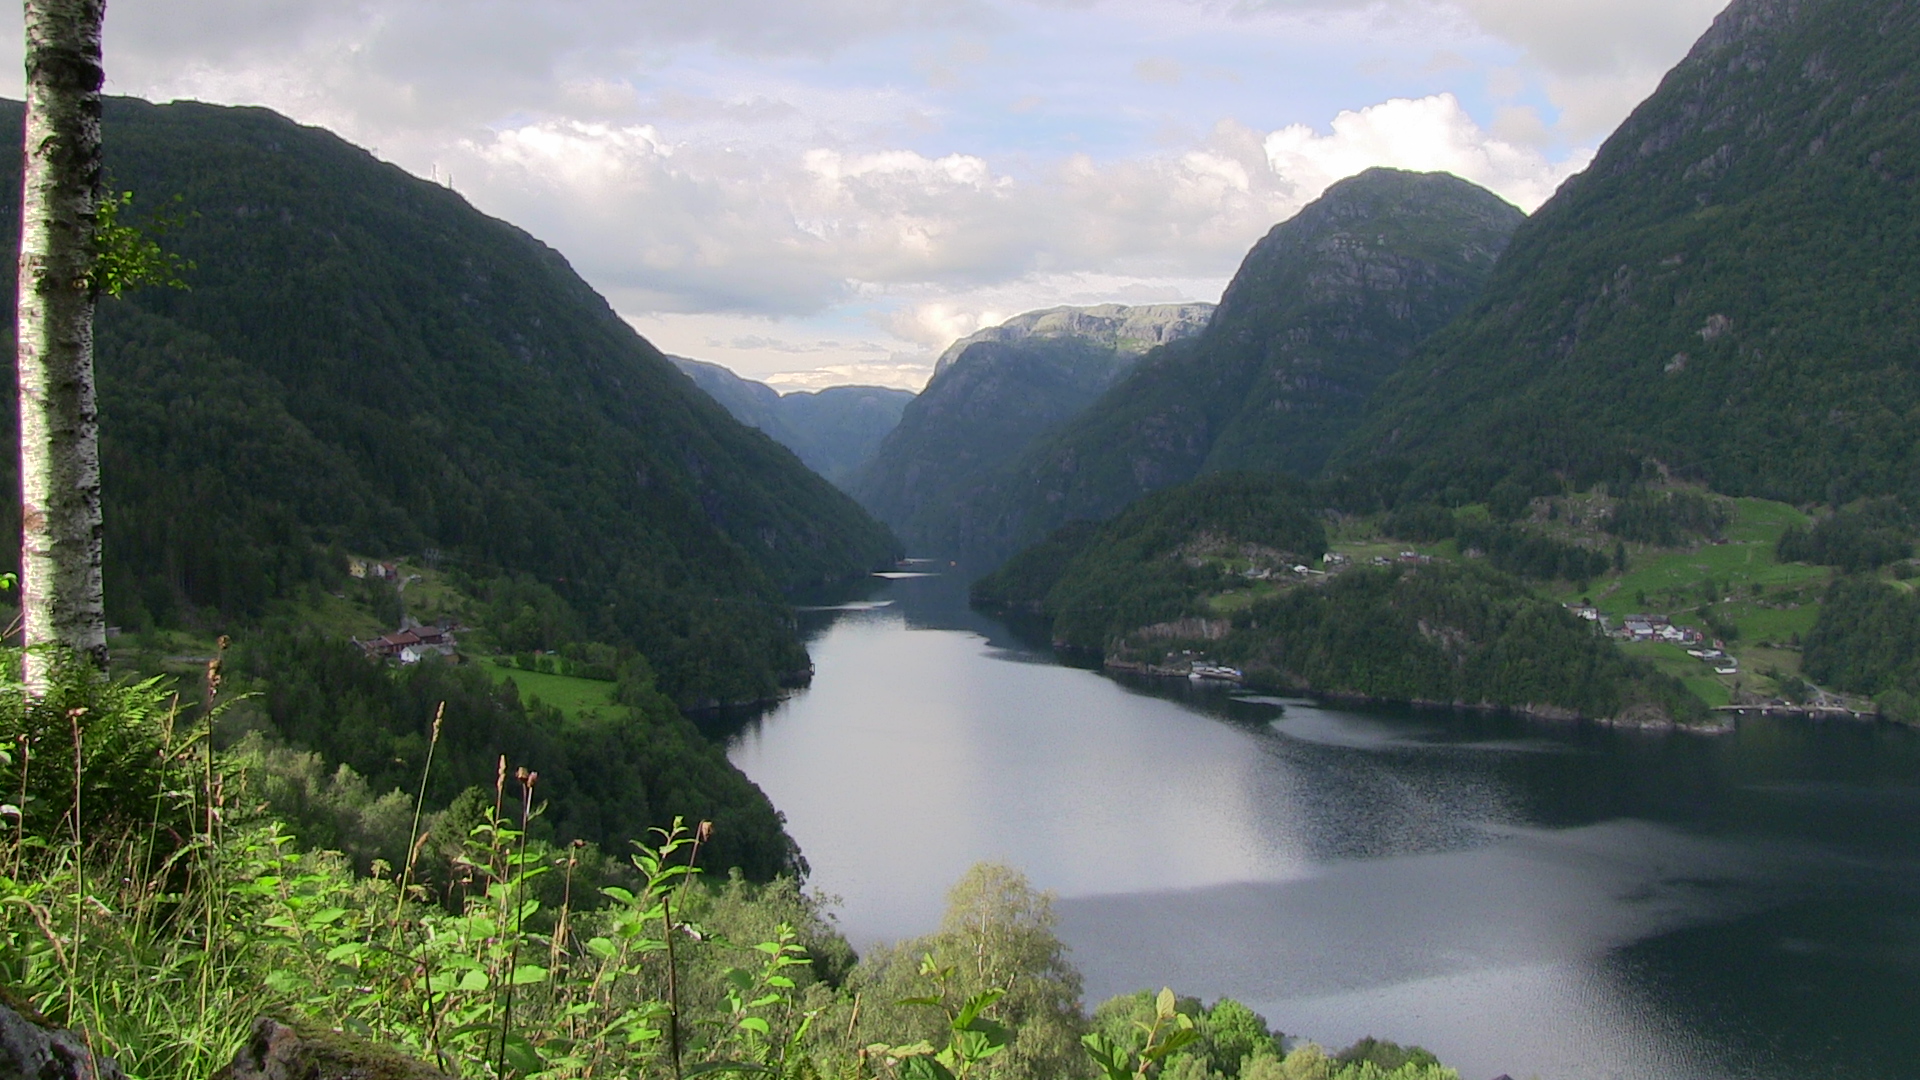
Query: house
412 643
1639 629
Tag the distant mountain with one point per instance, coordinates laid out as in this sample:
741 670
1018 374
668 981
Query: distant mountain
1326 306
1128 331
1731 292
834 430
992 394
366 364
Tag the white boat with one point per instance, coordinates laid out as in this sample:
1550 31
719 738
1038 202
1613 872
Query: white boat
1220 672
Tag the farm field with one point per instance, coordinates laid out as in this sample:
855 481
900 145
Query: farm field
572 696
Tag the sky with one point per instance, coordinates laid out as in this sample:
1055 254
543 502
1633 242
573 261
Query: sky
823 192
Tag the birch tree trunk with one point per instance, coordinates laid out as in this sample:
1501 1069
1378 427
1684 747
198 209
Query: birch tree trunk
60 589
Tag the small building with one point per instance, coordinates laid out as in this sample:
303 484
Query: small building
412 643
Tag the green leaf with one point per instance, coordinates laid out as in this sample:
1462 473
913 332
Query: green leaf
601 948
974 1006
343 951
528 973
1174 1041
924 1068
522 1055
322 918
1163 1005
755 1024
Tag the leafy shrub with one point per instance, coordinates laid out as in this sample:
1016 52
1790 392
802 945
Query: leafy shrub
131 760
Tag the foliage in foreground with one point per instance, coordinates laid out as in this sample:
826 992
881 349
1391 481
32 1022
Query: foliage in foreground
148 906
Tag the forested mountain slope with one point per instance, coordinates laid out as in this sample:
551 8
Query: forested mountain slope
365 363
1731 290
1327 305
834 431
991 395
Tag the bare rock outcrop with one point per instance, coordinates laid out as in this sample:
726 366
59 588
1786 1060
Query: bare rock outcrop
277 1051
32 1048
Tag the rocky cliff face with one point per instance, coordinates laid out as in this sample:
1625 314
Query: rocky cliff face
992 394
1128 331
1326 306
1729 291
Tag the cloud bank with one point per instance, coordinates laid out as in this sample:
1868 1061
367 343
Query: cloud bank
850 184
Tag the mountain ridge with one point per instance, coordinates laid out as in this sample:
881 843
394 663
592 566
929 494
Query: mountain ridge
366 363
1325 306
1727 292
994 392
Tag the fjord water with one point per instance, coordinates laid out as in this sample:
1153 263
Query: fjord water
1566 902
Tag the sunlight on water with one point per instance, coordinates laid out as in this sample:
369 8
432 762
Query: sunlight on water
902 766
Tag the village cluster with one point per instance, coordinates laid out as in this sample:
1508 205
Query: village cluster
1661 628
414 641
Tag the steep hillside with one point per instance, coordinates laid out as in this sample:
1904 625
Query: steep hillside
991 395
1326 306
1731 292
365 363
834 431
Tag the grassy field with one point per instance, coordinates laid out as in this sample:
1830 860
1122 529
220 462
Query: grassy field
564 692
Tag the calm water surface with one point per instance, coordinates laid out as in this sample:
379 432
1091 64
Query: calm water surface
1560 902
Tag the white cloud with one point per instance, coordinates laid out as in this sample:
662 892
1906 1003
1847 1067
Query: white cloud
1426 134
795 177
901 374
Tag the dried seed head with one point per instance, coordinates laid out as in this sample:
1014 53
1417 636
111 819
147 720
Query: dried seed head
704 832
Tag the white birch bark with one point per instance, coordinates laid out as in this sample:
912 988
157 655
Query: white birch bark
61 596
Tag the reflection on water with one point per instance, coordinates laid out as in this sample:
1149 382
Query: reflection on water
1556 901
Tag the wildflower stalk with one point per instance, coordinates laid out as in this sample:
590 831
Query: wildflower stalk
419 803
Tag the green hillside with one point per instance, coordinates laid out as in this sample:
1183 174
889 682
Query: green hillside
1731 292
365 363
1326 306
1229 569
